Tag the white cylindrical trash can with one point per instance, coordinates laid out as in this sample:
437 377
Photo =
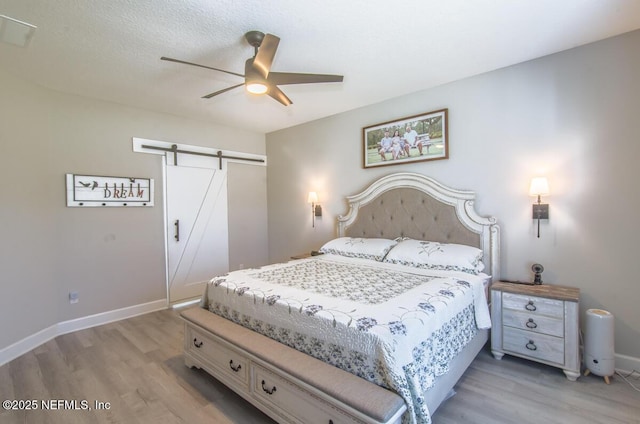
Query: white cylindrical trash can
599 355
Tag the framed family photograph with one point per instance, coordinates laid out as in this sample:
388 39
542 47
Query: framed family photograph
411 139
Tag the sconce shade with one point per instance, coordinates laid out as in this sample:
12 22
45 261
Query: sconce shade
539 187
313 197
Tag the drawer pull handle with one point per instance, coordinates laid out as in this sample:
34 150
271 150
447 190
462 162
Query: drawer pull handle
531 345
236 369
196 343
267 391
531 323
530 306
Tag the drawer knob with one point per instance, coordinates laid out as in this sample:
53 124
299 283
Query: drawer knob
235 369
196 343
268 391
531 345
530 306
531 323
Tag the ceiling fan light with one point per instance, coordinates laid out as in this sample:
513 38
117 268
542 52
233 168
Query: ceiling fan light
256 88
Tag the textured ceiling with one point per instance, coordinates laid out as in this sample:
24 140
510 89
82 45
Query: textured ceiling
111 49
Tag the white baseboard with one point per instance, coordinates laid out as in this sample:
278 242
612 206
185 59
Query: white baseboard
626 364
23 346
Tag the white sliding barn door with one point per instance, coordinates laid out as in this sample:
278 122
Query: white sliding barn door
197 226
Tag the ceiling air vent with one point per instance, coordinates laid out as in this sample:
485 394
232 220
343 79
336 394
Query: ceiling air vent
13 31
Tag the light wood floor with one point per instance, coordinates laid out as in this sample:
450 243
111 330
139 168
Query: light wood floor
136 366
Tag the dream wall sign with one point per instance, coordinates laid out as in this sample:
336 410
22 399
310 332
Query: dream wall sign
94 190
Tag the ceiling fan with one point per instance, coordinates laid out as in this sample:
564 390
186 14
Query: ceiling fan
258 78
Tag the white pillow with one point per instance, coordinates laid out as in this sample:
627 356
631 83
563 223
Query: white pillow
368 248
440 256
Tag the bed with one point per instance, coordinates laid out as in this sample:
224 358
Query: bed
398 298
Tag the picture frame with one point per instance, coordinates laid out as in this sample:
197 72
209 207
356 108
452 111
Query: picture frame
427 139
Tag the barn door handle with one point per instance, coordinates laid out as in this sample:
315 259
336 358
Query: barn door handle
177 224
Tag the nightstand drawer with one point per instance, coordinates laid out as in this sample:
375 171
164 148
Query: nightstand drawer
531 322
533 304
538 346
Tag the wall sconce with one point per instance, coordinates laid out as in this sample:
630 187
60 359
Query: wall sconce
539 187
316 209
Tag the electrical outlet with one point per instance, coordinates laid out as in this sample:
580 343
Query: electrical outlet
74 297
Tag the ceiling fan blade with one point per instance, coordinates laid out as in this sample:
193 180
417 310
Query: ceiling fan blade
267 51
224 90
283 78
277 94
201 66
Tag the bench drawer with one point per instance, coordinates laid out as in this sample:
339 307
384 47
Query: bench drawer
228 362
300 405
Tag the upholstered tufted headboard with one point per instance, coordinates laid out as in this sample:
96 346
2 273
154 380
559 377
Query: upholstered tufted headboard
418 207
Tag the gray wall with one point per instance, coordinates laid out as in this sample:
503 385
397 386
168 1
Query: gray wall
114 257
572 116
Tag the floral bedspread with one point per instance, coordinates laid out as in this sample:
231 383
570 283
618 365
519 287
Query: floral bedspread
396 326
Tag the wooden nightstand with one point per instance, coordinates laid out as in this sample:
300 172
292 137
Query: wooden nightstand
301 256
306 255
537 322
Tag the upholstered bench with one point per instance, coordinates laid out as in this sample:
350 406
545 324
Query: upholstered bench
285 384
